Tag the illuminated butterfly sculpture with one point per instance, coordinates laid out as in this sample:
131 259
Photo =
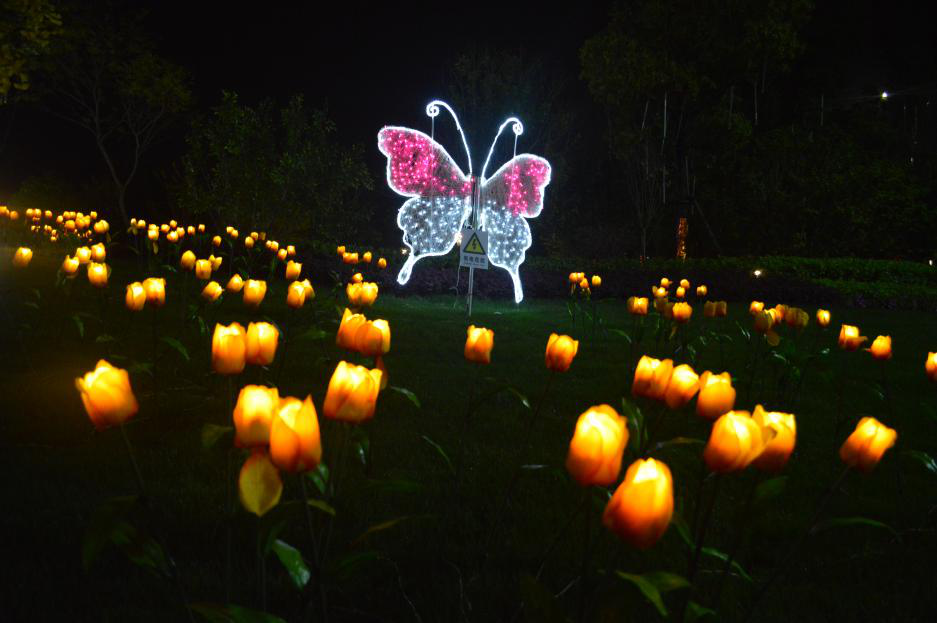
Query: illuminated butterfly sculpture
441 197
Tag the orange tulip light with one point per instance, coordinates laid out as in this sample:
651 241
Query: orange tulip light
97 274
259 484
659 292
187 261
764 320
702 291
70 266
253 415
372 339
235 284
254 292
478 344
881 348
212 291
98 252
561 349
293 269
107 395
350 258
262 340
734 442
295 445
155 288
641 508
215 262
382 263
83 254
596 281
203 269
340 250
366 257
823 318
722 309
682 312
361 294
597 446
849 338
637 305
664 282
22 257
756 308
296 295
348 329
282 254
683 385
709 309
867 444
778 450
716 395
216 241
357 278
930 366
651 377
136 296
352 393
229 349
681 292
307 286
249 242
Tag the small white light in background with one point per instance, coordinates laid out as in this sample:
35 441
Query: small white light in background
404 251
930 262
884 95
757 272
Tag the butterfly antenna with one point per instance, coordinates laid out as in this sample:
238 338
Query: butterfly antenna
518 129
432 110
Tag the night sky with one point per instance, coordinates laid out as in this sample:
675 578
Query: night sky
373 66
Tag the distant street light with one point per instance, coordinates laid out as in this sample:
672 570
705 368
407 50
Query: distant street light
884 95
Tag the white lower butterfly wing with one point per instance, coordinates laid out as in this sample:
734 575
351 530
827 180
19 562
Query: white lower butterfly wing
512 194
430 225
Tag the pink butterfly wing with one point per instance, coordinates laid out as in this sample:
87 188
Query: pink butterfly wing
418 166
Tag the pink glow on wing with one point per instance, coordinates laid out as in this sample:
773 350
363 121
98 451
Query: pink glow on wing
525 180
418 166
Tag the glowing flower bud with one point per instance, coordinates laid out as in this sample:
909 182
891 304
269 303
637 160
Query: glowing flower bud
561 349
734 442
641 508
292 270
584 284
216 241
340 250
681 292
136 296
357 278
366 257
98 252
350 258
155 288
107 396
382 263
361 294
259 484
97 274
233 233
310 293
235 284
930 366
372 339
262 340
849 338
664 282
203 269
864 448
254 292
228 349
595 451
778 450
83 254
295 445
70 266
722 309
709 309
637 305
881 348
22 257
478 344
212 291
683 385
764 321
281 255
659 292
781 313
682 312
190 230
290 250
253 415
348 329
702 291
187 261
651 377
249 242
756 308
823 317
295 295
201 228
716 395
596 281
352 393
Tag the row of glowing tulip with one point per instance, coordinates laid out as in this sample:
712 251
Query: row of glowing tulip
349 257
663 290
579 279
69 222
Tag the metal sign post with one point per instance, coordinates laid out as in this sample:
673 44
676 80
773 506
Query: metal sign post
473 248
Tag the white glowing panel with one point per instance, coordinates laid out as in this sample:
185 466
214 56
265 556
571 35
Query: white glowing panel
440 196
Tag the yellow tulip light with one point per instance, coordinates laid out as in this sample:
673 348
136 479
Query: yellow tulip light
823 318
83 254
212 291
637 305
259 484
254 292
361 294
253 415
665 282
295 444
595 451
709 309
864 448
561 349
651 377
22 257
366 257
70 266
98 252
702 291
478 344
849 338
216 241
292 271
778 450
107 395
229 349
722 309
350 258
352 393
716 395
97 274
382 263
290 250
340 250
881 348
155 288
203 269
136 296
682 312
357 278
756 307
683 385
262 338
596 281
281 255
249 242
659 292
307 286
930 366
641 508
235 284
681 292
372 339
187 261
734 442
348 329
295 295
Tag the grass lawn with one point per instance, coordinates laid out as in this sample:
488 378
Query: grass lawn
423 529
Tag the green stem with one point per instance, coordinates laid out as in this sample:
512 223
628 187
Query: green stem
287 335
133 461
736 544
586 550
317 561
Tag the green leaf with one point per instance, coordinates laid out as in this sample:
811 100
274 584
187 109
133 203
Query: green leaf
666 581
314 333
348 565
177 346
407 394
626 336
679 441
319 477
844 522
78 325
647 589
211 433
769 489
924 459
103 338
293 562
695 612
380 527
723 557
440 451
232 613
31 305
321 506
141 367
683 528
111 525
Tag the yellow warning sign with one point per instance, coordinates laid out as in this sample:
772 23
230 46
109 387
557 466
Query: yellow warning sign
474 246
